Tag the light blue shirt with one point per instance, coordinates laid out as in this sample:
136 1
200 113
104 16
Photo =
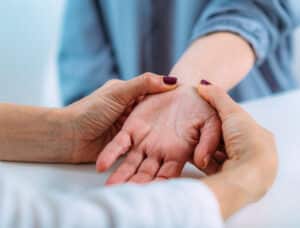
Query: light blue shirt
120 39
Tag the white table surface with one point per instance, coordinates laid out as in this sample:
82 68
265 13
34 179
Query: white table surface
279 208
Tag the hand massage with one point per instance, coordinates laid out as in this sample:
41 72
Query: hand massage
148 87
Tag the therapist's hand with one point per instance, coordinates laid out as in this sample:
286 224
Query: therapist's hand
250 168
94 120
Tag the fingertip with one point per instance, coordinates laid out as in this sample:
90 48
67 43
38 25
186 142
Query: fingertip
117 147
106 161
202 157
149 83
101 166
208 141
170 80
202 91
206 160
198 161
199 90
220 157
103 163
108 183
112 181
199 155
212 167
164 84
170 87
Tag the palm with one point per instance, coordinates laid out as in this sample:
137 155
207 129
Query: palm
164 131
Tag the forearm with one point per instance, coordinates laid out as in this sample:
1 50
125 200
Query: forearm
32 134
221 58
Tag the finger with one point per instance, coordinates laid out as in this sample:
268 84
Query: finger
220 157
212 167
113 150
208 143
147 83
146 171
127 168
219 99
215 163
170 169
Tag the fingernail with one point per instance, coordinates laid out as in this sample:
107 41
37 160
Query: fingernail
204 82
169 80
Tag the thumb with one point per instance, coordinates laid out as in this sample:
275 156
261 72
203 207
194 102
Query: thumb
218 99
147 83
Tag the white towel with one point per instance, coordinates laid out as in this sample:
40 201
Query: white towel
176 203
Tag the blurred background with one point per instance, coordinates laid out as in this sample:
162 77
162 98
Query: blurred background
28 44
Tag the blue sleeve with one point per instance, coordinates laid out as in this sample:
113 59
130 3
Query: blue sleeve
85 58
262 23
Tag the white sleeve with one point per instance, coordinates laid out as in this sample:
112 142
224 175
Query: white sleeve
176 203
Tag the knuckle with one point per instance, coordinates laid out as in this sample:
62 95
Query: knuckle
123 141
147 73
112 82
147 77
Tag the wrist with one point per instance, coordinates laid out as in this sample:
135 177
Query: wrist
61 128
184 92
187 77
221 58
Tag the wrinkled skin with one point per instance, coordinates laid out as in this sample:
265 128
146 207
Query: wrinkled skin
161 134
96 121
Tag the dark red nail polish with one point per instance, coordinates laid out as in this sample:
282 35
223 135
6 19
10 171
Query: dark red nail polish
169 80
204 82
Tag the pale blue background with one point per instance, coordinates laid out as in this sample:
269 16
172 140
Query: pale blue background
28 39
29 33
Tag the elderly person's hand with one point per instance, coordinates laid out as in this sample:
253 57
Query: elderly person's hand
250 168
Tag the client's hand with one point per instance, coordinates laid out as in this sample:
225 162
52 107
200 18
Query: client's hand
161 135
250 168
96 119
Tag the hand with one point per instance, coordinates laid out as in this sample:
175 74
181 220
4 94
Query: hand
251 166
96 119
160 136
